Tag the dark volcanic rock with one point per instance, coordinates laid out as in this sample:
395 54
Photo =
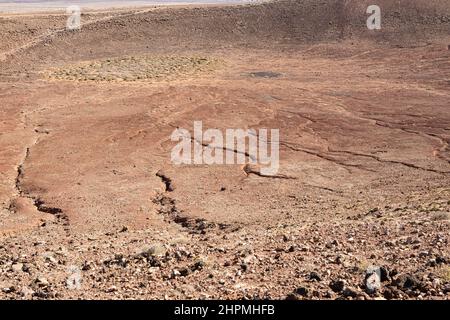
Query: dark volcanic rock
337 285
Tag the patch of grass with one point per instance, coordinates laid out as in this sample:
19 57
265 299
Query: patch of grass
440 216
363 265
130 69
444 273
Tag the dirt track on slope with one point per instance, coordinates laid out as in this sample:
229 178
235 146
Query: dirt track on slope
86 179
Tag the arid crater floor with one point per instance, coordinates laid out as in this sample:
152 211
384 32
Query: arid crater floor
91 205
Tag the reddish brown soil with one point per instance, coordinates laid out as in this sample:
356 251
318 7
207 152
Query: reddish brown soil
364 126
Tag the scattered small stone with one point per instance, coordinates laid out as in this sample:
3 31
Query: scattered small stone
198 265
51 259
384 274
407 281
317 294
446 289
302 291
291 296
41 282
436 283
314 276
373 279
26 292
337 285
87 265
185 272
350 292
332 244
17 267
391 293
432 262
393 273
248 259
156 250
441 260
175 273
9 289
111 289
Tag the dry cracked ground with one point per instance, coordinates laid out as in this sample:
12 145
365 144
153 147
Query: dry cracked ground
92 207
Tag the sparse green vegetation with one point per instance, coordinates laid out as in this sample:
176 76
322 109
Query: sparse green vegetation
131 69
440 216
444 273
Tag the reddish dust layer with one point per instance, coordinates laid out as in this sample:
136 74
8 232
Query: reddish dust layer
87 182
